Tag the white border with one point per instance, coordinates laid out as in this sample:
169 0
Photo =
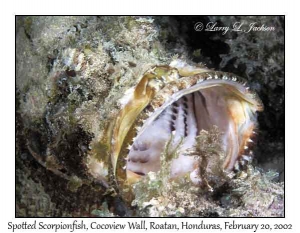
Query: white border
151 7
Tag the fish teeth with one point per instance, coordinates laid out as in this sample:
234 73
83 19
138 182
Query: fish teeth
237 166
152 71
245 157
246 147
148 113
249 140
113 141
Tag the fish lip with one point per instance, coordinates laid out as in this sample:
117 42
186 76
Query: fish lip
139 173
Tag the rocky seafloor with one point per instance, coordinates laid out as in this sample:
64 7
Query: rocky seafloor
70 74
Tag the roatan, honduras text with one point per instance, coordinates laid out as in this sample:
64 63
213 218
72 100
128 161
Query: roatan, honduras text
133 225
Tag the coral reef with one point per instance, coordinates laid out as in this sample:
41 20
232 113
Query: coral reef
72 72
250 193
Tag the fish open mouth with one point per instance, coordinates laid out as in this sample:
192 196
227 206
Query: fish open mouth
226 104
